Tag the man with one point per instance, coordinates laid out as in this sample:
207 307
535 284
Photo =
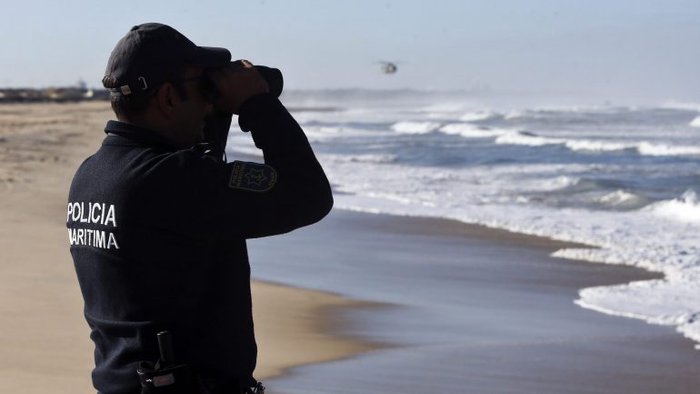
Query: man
157 220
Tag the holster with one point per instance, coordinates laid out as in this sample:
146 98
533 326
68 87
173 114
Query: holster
176 379
168 377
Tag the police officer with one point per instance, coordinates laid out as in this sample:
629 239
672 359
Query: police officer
158 221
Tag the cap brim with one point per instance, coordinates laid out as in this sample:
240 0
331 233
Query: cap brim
210 57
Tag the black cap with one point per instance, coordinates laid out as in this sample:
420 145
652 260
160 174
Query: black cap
151 53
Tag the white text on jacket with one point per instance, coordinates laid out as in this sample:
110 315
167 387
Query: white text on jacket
91 214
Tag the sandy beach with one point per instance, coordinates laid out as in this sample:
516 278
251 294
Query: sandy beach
526 335
43 338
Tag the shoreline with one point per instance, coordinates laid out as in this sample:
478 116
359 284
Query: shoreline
314 335
520 332
45 338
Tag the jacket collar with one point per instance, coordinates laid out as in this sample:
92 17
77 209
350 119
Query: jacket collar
129 133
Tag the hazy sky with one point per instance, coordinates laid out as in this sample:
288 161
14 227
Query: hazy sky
606 48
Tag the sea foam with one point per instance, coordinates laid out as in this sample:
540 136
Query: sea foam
646 148
621 198
468 130
642 147
684 209
414 127
478 116
695 122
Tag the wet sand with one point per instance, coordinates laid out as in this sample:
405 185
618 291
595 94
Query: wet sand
520 331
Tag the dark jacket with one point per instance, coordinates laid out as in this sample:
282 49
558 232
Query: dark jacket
158 236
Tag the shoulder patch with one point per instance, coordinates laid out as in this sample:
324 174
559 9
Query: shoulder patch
252 177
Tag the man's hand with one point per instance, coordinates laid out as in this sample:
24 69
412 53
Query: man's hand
236 83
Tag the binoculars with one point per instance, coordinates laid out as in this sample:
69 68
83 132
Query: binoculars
272 76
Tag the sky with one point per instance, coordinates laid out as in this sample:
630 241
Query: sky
600 48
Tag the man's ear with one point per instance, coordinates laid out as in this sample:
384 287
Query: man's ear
166 98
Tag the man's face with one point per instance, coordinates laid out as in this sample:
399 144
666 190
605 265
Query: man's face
194 105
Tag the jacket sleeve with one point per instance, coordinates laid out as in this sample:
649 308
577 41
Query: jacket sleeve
208 204
302 194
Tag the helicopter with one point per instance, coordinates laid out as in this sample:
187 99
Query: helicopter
388 67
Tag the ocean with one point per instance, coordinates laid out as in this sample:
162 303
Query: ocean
622 179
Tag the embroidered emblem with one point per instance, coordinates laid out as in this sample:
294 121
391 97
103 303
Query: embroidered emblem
252 177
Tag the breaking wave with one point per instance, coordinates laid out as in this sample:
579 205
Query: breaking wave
685 209
643 147
468 130
414 127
